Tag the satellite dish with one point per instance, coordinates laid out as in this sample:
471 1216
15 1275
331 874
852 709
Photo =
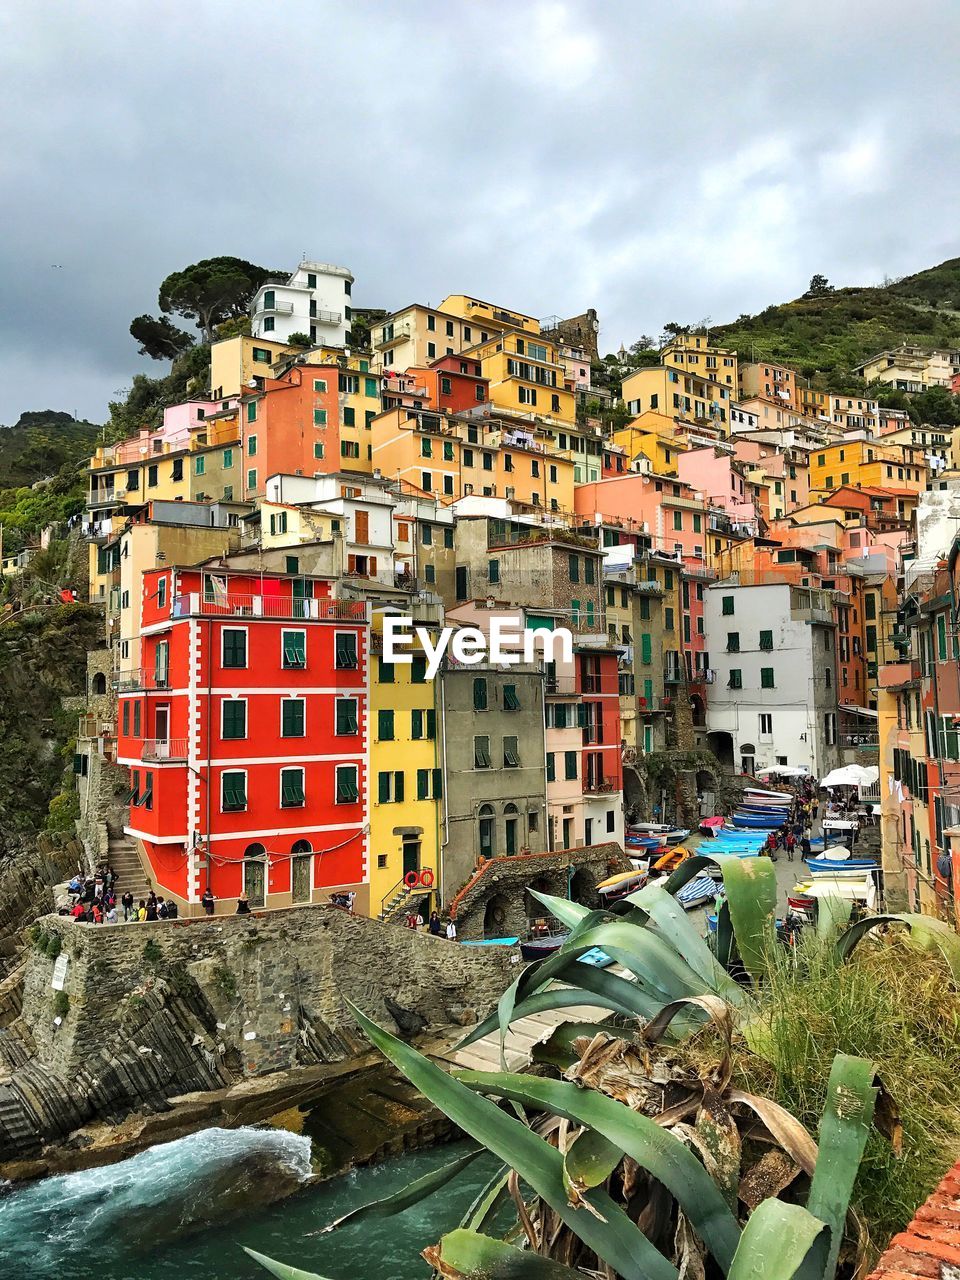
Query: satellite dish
253 384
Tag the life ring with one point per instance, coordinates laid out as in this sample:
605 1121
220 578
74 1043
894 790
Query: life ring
411 879
426 877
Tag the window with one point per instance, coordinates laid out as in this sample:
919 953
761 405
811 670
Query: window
385 726
153 475
551 767
429 784
291 788
668 619
251 479
292 718
227 458
431 323
233 792
574 568
348 791
426 447
261 355
390 787
349 417
588 572
766 640
319 417
493 571
726 605
480 694
570 765
678 520
736 679
418 671
426 481
346 649
733 642
766 678
252 411
511 753
510 700
386 671
291 563
234 647
481 752
766 725
233 718
346 721
431 350
162 593
423 723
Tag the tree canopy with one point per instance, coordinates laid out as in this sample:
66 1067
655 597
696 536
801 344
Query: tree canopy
158 338
212 291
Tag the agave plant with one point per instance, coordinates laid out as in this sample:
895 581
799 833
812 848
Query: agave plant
634 1164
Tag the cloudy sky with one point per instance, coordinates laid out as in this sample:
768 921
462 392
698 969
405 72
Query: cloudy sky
657 161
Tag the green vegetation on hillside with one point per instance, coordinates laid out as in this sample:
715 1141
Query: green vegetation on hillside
826 333
46 449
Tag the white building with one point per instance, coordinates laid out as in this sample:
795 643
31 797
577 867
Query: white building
315 301
773 699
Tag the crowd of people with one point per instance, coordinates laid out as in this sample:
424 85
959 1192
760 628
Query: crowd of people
94 900
797 831
434 926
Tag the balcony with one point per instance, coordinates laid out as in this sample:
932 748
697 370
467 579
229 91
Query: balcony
90 726
390 335
655 704
597 786
250 606
674 675
561 686
135 679
278 308
157 750
97 529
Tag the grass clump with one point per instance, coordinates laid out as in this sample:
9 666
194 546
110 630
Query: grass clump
890 1003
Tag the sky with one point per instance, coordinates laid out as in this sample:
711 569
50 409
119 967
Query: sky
659 162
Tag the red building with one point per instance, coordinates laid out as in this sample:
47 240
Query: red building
601 769
245 731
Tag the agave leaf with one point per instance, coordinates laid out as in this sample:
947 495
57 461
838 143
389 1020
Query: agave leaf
602 1226
569 913
784 1127
648 955
465 1253
674 923
654 1148
831 914
844 1129
407 1196
717 1011
280 1269
927 933
593 987
780 1242
487 1201
588 1162
750 885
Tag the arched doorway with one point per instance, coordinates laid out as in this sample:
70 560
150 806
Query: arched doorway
255 874
495 916
301 871
534 910
99 683
748 758
485 830
698 711
583 888
721 744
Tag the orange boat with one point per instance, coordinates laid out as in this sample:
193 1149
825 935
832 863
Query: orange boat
671 859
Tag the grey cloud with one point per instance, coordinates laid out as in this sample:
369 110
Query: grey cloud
657 162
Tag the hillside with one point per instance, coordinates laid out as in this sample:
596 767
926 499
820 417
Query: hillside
43 445
827 335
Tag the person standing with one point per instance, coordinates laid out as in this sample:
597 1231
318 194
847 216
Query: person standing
451 931
127 903
207 902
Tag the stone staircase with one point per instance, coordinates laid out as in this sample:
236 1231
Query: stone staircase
124 856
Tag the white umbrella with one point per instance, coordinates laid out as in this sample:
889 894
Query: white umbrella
851 775
783 771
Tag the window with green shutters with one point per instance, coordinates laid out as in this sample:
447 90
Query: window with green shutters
294 649
551 767
292 565
644 609
418 671
423 723
234 718
346 648
648 692
291 788
493 571
136 719
942 636
349 418
319 417
390 787
646 647
346 716
385 726
570 765
199 465
736 679
252 411
733 642
870 606
726 605
766 640
370 387
574 568
386 672
511 753
766 678
423 784
481 752
251 446
233 792
697 523
227 458
234 647
347 789
292 718
510 700
480 694
588 571
448 450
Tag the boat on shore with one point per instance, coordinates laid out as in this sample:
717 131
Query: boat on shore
544 945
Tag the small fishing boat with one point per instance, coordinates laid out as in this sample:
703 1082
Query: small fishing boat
543 945
489 942
762 821
648 828
670 860
711 826
620 885
676 836
697 892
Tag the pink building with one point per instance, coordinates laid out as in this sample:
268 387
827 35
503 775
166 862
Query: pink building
720 478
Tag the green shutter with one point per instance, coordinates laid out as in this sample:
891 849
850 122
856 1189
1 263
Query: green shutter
423 784
570 765
234 719
291 788
383 788
646 647
416 724
346 651
294 649
292 718
648 692
418 671
480 694
431 723
386 672
385 726
234 648
347 785
234 791
346 716
766 678
510 700
437 784
942 636
551 767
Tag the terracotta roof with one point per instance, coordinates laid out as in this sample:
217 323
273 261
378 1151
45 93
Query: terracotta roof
930 1245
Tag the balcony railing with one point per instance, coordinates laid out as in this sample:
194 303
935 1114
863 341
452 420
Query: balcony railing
561 686
674 675
135 678
250 606
158 749
597 786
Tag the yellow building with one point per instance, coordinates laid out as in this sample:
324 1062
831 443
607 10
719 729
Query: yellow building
487 315
869 464
909 368
417 335
526 376
693 353
236 362
652 437
450 458
667 390
406 786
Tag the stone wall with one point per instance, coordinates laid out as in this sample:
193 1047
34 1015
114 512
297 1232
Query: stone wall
151 1011
27 876
494 902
